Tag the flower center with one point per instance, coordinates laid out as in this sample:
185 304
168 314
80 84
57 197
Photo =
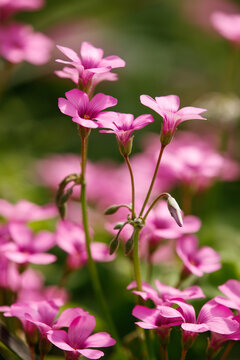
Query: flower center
86 116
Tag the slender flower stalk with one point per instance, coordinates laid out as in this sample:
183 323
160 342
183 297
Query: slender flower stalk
126 158
136 262
91 264
153 179
184 353
227 350
154 203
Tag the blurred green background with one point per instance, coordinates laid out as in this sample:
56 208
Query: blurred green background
169 49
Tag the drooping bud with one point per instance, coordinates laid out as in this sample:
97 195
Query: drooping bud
114 245
129 244
118 225
175 210
114 208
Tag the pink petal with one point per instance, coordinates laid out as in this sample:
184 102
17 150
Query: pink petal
79 99
145 325
43 241
85 123
18 257
91 56
187 245
151 103
68 316
100 102
71 54
41 258
168 103
142 121
91 354
60 339
112 61
232 290
20 234
199 328
79 330
223 326
100 339
66 107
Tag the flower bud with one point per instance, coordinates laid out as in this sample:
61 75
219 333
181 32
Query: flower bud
114 245
129 244
112 209
175 210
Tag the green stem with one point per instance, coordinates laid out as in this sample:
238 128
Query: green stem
153 179
154 203
136 262
227 350
132 185
91 264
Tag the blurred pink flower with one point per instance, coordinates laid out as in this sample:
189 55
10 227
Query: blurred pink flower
90 65
168 108
26 211
165 293
27 247
227 25
197 261
78 340
10 7
124 125
9 276
70 237
87 112
19 43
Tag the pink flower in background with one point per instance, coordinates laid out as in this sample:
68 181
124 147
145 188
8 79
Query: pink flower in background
165 294
27 247
78 340
227 25
124 125
9 276
70 237
168 108
25 211
197 261
10 7
19 43
231 289
91 65
87 112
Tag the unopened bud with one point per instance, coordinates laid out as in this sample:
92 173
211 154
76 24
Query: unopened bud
129 244
114 245
175 210
112 209
119 225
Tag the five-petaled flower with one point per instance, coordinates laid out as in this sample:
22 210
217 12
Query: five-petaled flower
168 108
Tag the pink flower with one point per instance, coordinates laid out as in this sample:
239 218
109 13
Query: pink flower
9 276
78 340
212 317
10 7
25 211
86 112
124 125
27 247
168 108
228 25
19 43
197 261
165 294
70 237
90 65
231 289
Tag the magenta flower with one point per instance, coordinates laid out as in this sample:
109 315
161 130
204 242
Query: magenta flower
25 211
212 317
165 294
9 276
87 112
70 237
227 25
10 7
125 124
162 316
231 289
78 340
197 261
19 43
90 64
27 247
168 108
